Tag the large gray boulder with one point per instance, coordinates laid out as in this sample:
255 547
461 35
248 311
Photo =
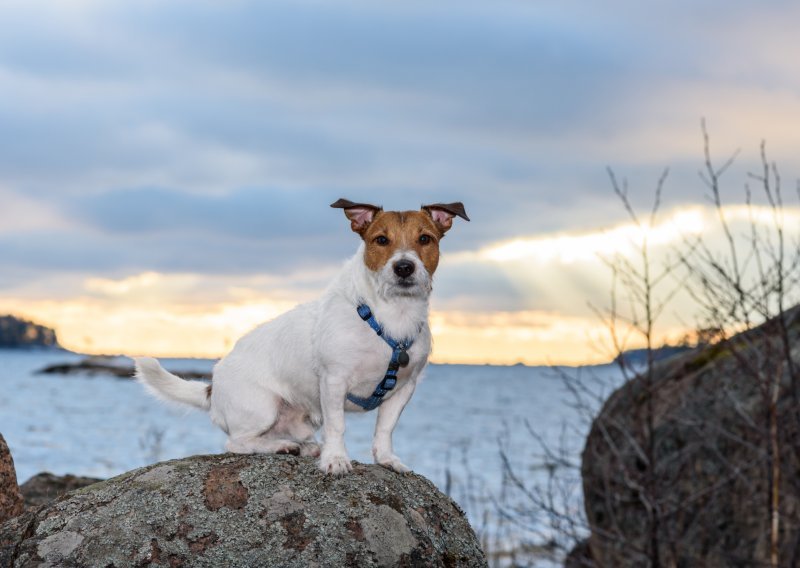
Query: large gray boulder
704 499
246 510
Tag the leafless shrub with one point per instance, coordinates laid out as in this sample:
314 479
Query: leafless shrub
751 282
151 443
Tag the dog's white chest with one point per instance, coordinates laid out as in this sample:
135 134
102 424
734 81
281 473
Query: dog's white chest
349 347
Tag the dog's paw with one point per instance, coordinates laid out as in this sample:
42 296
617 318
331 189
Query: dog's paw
393 462
338 464
309 449
291 448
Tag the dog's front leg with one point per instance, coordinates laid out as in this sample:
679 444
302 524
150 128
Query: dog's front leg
333 459
388 415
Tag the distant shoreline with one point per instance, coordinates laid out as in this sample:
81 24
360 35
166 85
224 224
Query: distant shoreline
18 333
120 366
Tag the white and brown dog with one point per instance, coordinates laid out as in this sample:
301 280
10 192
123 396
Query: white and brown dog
361 345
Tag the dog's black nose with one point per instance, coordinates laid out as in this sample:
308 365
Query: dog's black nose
404 268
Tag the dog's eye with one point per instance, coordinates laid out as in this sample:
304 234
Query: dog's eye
424 239
382 241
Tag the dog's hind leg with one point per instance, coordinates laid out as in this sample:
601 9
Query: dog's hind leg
296 425
304 431
251 425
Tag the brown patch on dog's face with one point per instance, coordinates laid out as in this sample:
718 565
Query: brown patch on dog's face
391 231
387 232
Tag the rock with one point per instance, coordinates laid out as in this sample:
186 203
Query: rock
580 556
45 487
10 497
15 333
246 510
119 367
710 487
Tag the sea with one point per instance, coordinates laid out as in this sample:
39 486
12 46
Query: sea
494 438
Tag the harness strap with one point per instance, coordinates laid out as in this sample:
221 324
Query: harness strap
399 359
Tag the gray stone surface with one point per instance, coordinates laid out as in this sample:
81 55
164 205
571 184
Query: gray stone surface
251 510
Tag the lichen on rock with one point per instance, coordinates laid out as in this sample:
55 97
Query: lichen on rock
247 510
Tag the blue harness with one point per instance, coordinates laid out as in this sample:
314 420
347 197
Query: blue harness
399 359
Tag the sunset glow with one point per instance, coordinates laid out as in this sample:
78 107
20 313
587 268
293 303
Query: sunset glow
191 315
622 239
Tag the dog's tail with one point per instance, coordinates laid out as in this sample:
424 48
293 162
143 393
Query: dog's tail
166 386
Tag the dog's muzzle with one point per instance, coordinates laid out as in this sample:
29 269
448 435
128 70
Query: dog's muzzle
405 276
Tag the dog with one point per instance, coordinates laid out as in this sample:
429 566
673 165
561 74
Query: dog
362 345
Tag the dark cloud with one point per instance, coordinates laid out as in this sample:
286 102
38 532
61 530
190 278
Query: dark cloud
211 137
307 90
246 214
69 252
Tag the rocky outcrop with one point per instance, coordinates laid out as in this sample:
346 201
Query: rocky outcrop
44 488
114 366
10 497
15 332
699 491
246 510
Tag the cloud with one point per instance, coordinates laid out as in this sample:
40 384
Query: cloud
20 214
525 299
50 254
208 138
249 214
528 100
154 313
625 239
91 326
295 93
195 291
569 273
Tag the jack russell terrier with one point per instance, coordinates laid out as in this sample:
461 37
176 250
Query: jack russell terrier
362 345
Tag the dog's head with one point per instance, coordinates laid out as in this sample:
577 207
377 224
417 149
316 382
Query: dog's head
402 247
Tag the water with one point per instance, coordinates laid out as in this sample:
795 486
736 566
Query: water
451 431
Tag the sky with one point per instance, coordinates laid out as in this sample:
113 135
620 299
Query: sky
166 167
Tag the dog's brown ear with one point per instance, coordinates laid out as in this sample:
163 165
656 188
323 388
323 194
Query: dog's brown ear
443 213
360 214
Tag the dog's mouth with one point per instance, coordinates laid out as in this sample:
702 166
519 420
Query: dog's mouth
403 277
408 287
